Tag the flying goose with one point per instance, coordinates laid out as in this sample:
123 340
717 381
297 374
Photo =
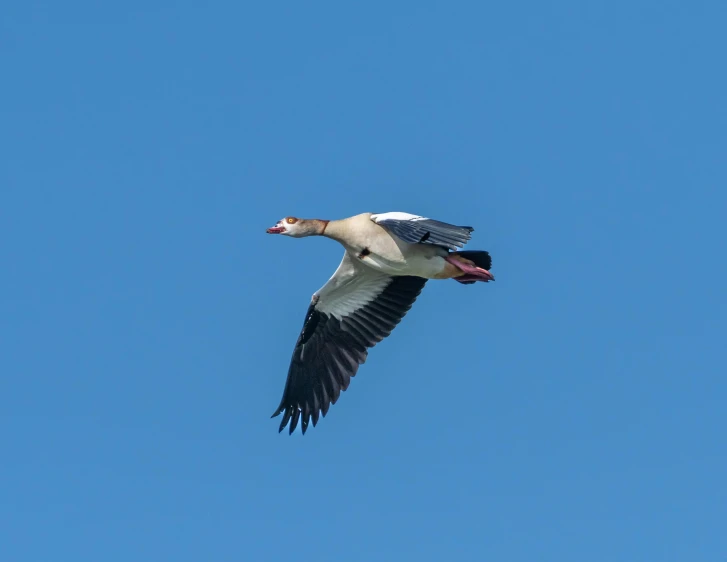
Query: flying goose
387 261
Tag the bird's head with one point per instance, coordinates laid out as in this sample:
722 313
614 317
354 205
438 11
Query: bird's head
298 228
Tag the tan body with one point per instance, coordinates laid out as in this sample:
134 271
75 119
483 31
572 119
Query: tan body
375 247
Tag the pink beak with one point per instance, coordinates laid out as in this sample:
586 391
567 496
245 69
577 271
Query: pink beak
275 230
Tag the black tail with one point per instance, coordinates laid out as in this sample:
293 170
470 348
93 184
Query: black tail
479 258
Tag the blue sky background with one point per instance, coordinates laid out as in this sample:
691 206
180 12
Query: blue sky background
573 410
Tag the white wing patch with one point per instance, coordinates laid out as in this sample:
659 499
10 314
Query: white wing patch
398 216
352 286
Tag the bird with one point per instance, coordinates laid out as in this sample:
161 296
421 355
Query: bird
387 260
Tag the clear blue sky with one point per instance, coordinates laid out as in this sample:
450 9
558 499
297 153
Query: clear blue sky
573 410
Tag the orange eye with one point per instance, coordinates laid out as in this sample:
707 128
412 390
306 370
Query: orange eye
290 220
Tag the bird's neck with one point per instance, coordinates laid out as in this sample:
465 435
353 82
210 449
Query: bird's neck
314 227
335 230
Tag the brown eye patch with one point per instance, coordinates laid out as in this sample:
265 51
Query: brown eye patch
291 220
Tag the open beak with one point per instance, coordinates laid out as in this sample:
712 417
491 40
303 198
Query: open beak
275 230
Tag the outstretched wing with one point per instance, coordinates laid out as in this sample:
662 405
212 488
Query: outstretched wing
421 230
357 308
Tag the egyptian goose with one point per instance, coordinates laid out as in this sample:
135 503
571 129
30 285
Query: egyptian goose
387 261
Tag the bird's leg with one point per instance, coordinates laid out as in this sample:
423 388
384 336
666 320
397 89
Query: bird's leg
471 271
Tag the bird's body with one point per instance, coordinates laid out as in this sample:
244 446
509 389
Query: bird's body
387 260
376 248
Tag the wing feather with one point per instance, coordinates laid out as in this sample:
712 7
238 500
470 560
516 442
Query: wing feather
357 308
422 230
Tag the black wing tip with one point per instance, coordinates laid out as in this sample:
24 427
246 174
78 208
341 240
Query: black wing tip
291 418
293 414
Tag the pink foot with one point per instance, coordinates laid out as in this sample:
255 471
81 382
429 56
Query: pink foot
472 273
